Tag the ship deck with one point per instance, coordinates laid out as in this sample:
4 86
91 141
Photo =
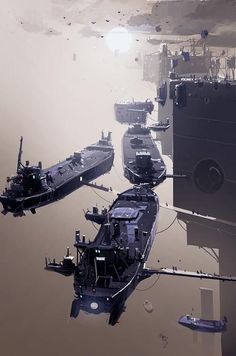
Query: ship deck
66 170
130 215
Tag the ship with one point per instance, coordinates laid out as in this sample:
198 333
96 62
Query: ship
130 112
197 324
108 269
33 186
141 158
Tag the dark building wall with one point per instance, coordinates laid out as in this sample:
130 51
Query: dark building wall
204 130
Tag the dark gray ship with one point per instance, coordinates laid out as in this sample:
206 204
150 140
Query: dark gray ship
108 269
33 186
141 158
130 112
197 324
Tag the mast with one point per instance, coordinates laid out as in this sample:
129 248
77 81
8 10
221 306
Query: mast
19 155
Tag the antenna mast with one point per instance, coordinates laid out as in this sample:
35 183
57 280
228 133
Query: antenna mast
19 155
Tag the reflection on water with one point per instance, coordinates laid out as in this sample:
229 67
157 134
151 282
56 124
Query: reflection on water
60 105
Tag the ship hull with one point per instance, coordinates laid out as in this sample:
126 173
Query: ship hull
208 326
77 180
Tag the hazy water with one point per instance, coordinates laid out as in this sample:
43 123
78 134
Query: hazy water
60 105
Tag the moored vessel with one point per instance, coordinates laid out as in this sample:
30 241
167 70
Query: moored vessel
33 186
108 269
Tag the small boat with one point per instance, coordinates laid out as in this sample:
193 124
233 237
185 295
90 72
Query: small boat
197 324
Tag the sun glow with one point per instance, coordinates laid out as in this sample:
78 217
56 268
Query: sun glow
119 40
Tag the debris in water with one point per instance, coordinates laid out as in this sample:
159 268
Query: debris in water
148 306
204 34
164 340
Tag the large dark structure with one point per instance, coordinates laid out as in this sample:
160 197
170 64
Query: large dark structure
160 66
186 62
108 269
33 187
204 142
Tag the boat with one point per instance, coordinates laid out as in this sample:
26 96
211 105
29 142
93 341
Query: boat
197 324
108 269
130 112
33 186
141 158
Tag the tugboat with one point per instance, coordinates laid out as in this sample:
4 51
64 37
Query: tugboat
33 187
141 158
197 324
131 112
108 269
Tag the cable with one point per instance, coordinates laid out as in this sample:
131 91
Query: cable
108 201
150 118
121 179
95 227
152 285
216 258
159 232
181 225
